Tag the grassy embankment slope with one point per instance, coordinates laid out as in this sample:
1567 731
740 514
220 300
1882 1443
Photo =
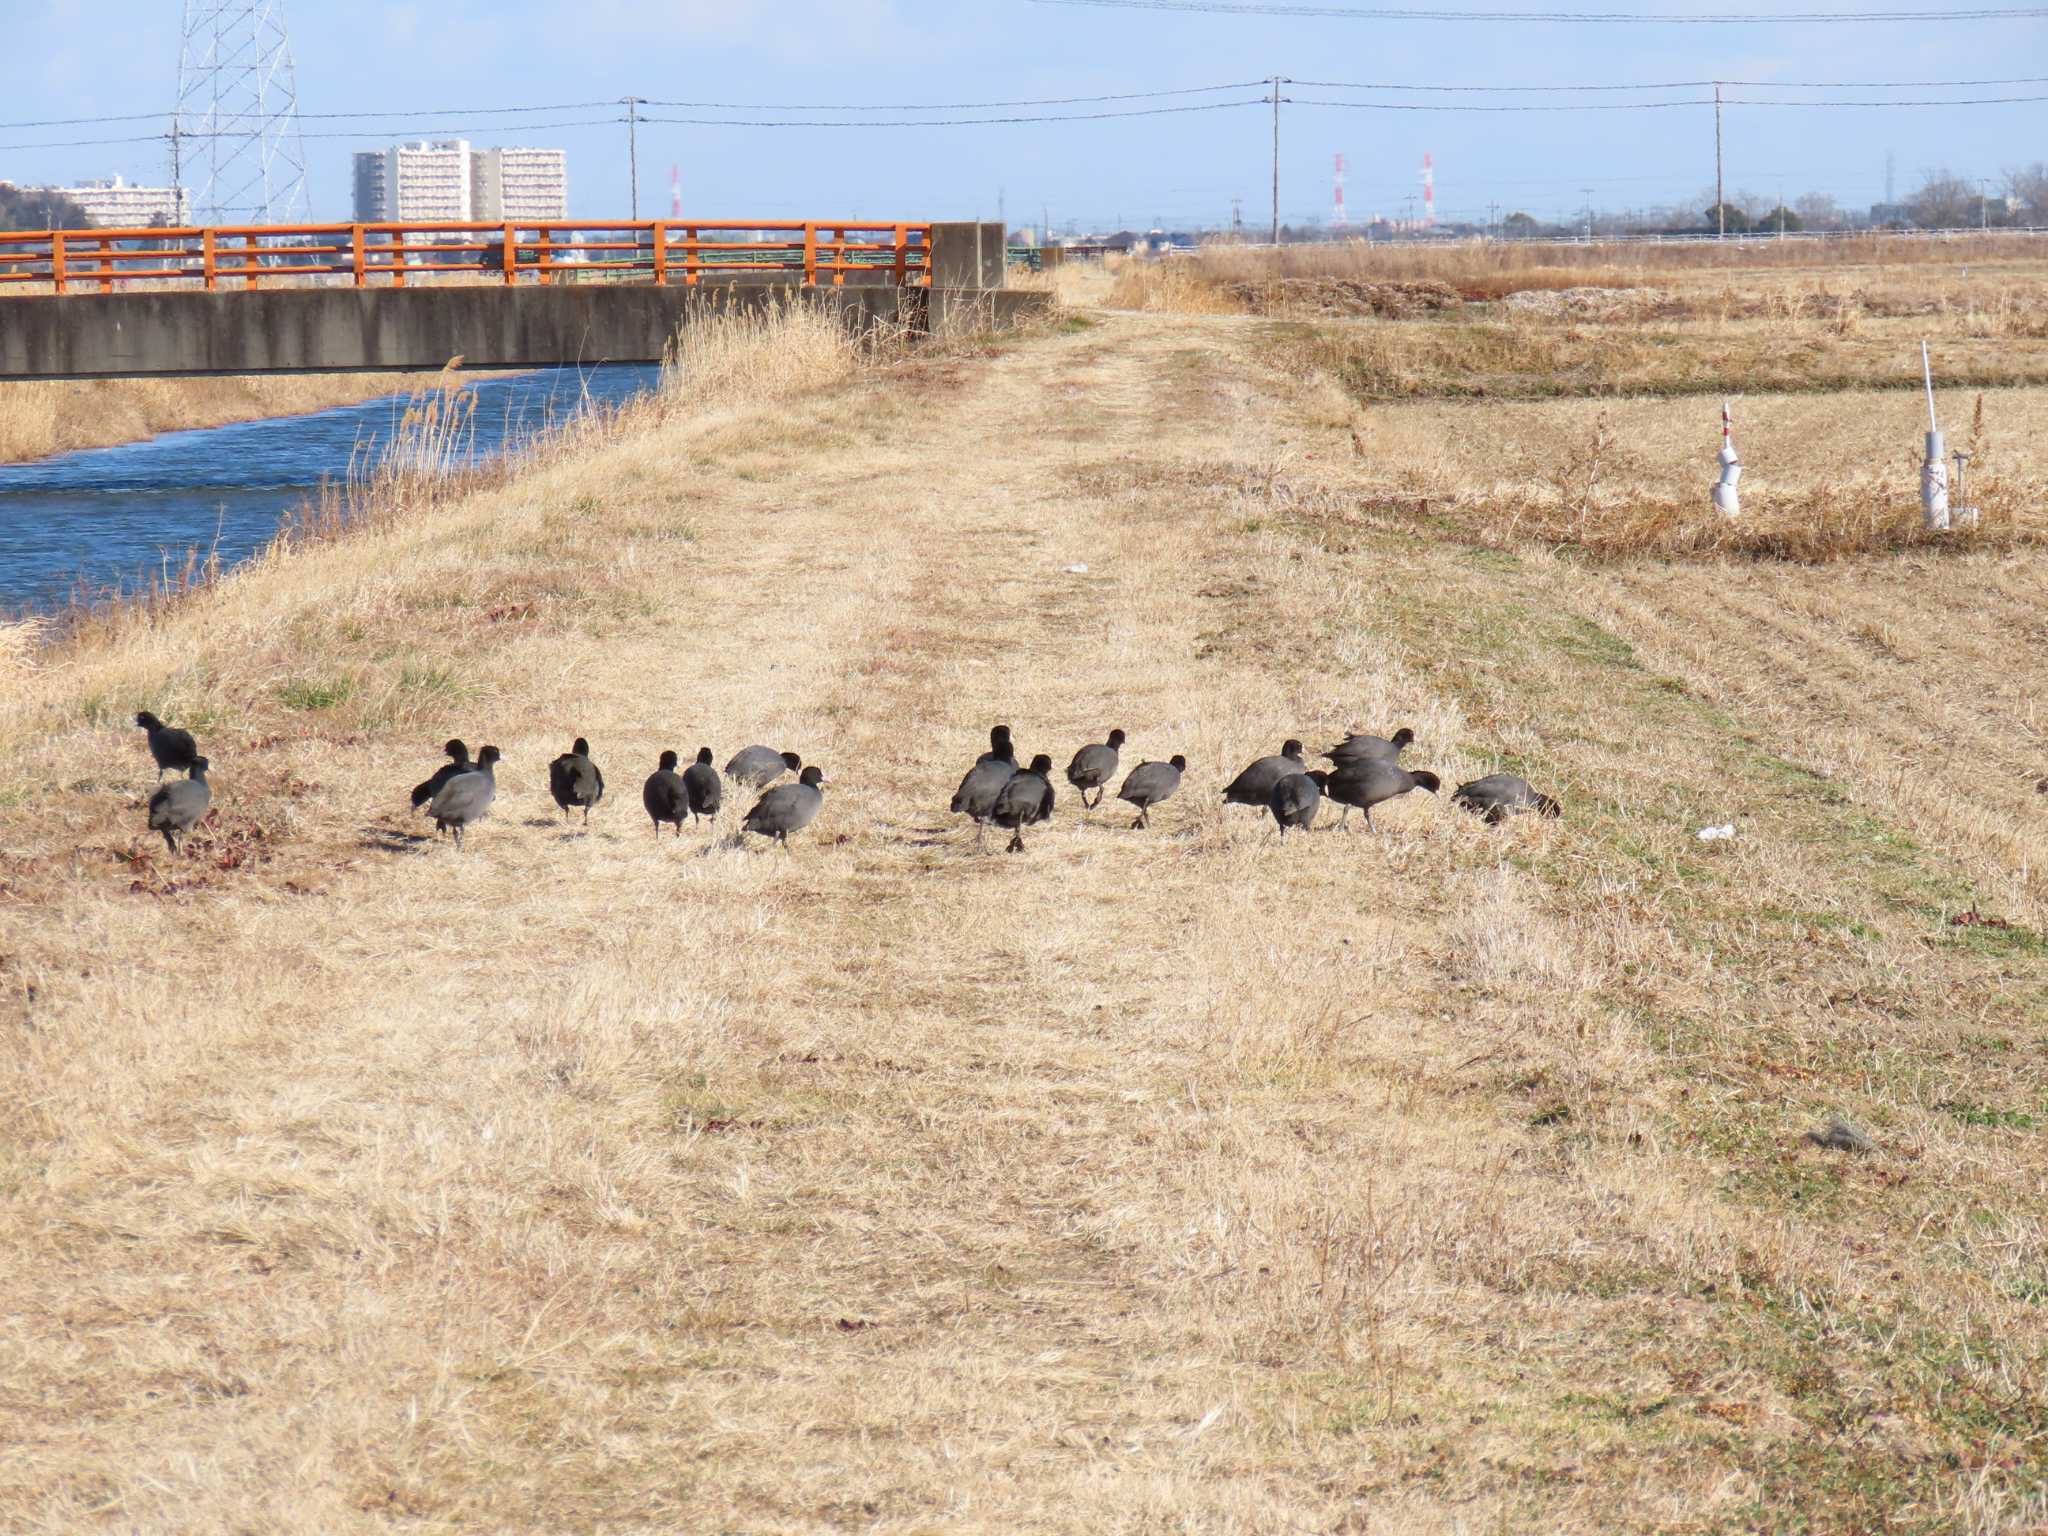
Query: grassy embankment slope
1445 1179
41 418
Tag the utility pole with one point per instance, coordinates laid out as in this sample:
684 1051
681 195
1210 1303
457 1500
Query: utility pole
1983 206
1588 192
1720 194
1493 220
1276 159
632 104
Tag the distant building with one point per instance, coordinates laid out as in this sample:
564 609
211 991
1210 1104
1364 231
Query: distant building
520 185
446 182
421 183
114 204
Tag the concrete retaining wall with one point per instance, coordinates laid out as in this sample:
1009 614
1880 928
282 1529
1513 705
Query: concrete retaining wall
342 330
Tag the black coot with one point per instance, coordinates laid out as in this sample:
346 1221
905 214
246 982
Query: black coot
976 796
758 767
1371 782
1093 768
1295 799
171 748
1501 795
466 798
176 808
1375 749
788 808
664 795
1024 801
1149 783
458 762
1255 785
574 780
701 780
999 748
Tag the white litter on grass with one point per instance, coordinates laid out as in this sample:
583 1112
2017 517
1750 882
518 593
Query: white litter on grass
1077 570
1714 834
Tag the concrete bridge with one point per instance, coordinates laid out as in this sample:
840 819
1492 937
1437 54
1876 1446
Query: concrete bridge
350 298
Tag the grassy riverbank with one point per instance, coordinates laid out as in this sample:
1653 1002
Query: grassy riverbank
1442 1179
41 418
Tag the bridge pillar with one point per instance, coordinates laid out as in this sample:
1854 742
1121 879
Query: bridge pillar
967 267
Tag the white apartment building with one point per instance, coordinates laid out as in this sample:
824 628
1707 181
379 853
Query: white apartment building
520 184
446 181
421 183
114 204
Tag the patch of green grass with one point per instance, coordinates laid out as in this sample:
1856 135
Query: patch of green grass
433 681
311 693
1987 1117
1984 939
1588 641
1825 921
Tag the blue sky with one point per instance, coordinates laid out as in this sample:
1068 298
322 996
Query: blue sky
413 58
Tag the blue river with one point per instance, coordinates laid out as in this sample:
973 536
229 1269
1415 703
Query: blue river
106 519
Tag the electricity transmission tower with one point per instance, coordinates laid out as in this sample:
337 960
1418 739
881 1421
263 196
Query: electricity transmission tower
235 133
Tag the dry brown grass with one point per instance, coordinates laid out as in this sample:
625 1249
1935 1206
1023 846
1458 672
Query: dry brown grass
1825 476
1483 270
38 419
1447 1179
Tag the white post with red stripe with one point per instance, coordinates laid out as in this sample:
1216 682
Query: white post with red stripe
1727 499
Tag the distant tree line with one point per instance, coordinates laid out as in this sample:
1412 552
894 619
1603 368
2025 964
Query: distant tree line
37 208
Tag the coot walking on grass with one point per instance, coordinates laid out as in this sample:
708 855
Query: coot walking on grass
1371 782
976 796
1149 783
171 748
1501 795
1370 749
1295 799
466 798
1255 785
458 762
1025 800
758 767
1093 768
176 808
664 795
700 780
788 808
574 780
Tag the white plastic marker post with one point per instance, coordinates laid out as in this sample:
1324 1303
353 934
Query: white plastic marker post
1727 499
1934 472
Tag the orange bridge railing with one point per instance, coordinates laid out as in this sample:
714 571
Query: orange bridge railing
74 261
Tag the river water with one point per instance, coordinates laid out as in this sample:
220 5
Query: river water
108 518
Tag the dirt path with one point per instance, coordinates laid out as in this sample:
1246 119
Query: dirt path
1152 1180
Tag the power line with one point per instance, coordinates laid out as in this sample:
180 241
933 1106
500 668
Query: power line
1637 106
952 122
952 106
1682 85
410 117
560 106
158 138
1722 18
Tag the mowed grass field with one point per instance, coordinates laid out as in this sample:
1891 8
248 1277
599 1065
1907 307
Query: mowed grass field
1448 1178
